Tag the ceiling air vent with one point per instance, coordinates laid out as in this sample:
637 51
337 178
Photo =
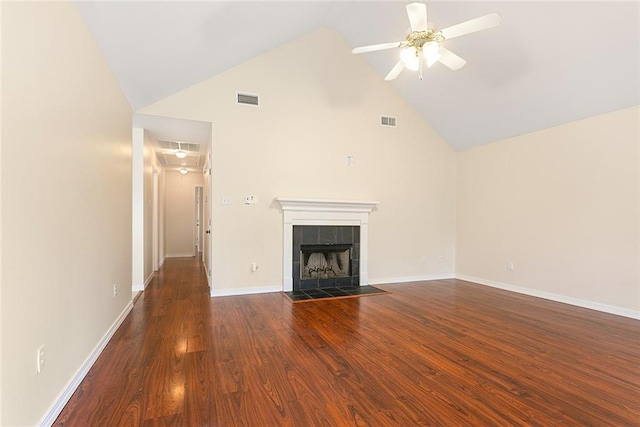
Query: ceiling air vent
388 121
247 99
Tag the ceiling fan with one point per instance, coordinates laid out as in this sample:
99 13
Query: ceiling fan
423 44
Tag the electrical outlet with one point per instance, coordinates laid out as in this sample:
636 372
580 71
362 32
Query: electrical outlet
510 265
40 358
226 201
440 258
115 290
251 200
423 259
254 267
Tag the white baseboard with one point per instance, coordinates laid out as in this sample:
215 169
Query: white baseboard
161 262
190 255
245 291
149 279
611 309
410 279
57 407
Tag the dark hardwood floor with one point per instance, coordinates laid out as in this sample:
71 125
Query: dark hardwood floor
446 353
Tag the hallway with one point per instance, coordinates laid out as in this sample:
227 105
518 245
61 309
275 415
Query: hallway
141 374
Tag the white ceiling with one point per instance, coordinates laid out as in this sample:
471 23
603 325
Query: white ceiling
548 63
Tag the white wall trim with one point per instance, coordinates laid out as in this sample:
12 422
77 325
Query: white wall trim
191 255
424 278
611 309
57 407
149 279
245 291
162 262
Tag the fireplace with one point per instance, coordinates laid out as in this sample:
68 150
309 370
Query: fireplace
325 256
320 213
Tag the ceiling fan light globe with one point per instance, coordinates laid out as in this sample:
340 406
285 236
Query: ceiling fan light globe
181 154
431 51
184 171
410 58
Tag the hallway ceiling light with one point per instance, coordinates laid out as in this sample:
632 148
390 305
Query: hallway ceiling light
184 171
180 153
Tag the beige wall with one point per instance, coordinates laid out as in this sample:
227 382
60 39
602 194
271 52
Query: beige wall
180 212
562 205
319 104
66 192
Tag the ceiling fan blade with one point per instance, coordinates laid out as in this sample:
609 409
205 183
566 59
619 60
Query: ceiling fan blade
477 24
395 71
417 13
450 59
374 47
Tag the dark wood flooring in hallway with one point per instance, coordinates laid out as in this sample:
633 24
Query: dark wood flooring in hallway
446 353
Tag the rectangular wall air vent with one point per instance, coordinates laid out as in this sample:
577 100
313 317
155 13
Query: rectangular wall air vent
247 99
388 121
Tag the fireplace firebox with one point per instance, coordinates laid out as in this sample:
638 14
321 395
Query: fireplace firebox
325 261
325 256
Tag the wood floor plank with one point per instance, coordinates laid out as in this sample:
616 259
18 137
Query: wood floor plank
445 352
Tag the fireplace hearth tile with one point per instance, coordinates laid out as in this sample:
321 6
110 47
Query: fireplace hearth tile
326 283
355 269
345 234
298 296
342 282
309 235
355 252
297 236
328 235
296 269
306 284
335 292
314 294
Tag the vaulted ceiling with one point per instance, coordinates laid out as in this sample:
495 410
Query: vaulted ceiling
548 63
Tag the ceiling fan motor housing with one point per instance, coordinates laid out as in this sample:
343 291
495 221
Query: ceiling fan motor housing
417 39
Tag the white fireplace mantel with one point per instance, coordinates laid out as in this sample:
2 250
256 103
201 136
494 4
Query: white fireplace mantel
323 212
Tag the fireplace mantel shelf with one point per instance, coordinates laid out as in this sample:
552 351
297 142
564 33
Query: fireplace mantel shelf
321 205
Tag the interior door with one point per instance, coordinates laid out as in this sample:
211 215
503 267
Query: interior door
198 224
